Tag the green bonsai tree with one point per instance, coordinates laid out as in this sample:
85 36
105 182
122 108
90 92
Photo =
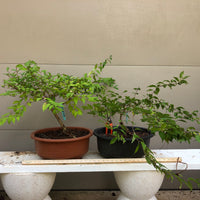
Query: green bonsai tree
159 116
28 84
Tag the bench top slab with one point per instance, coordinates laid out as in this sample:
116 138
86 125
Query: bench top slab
11 162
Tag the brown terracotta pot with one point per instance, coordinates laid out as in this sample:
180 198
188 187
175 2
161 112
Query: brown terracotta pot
61 148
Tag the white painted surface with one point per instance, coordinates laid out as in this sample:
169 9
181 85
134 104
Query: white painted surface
10 162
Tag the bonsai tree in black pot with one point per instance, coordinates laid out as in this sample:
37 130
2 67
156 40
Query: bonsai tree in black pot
30 84
120 140
159 117
125 139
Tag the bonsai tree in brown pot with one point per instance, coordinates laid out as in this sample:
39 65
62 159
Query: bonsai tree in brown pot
30 84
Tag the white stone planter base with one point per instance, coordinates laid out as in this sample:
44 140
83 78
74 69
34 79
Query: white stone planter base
138 185
28 186
47 198
122 197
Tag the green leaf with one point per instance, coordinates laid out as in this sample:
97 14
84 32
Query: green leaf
152 86
197 137
75 99
92 99
3 121
137 148
185 77
143 145
28 104
39 99
157 90
45 106
113 140
13 120
9 119
181 74
83 99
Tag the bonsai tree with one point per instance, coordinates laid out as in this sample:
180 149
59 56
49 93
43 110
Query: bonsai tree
159 116
28 83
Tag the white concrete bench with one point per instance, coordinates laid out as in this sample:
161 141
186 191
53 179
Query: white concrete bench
137 181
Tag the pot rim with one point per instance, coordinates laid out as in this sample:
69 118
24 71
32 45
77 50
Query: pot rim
90 133
127 139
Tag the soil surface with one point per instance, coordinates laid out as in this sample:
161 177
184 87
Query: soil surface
129 133
59 134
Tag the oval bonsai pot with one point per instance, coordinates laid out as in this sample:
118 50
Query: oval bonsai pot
61 148
120 149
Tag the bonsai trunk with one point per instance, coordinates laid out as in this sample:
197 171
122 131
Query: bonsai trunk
121 124
120 119
60 122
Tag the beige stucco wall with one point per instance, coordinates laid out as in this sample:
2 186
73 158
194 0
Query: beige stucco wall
150 40
145 32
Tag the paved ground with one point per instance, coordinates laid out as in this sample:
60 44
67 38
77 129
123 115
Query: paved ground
112 195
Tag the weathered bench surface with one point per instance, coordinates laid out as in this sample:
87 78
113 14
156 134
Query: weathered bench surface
11 162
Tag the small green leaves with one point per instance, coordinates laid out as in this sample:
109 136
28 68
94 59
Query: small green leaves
159 115
32 84
75 110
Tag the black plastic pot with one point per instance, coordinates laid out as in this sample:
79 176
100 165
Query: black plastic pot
120 149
